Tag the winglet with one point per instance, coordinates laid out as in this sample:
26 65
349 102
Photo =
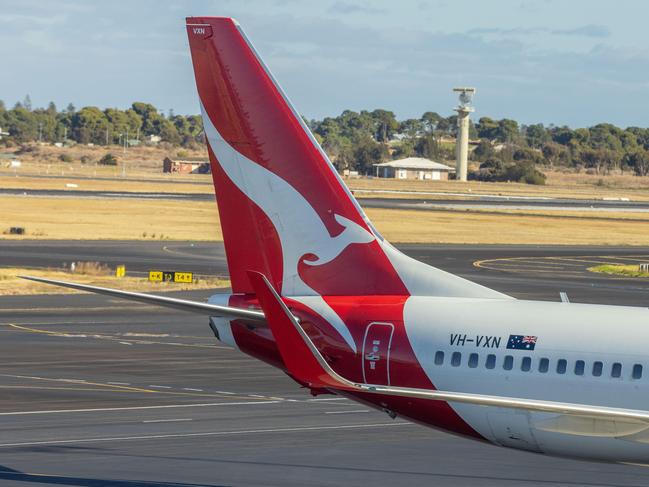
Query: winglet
302 359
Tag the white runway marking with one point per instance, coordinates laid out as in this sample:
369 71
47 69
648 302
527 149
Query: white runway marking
190 389
348 412
328 399
158 387
208 433
119 383
139 408
167 420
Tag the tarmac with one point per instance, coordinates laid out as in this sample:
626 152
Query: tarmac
99 392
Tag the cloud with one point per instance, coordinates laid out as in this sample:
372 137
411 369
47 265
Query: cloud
591 30
32 19
353 8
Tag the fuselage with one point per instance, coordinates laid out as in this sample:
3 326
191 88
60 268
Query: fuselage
565 352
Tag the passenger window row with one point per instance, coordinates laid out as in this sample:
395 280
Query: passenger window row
543 366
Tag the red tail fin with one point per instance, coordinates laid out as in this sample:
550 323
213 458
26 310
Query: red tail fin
284 210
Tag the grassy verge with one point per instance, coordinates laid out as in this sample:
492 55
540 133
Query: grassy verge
560 185
619 270
409 226
11 284
179 184
133 219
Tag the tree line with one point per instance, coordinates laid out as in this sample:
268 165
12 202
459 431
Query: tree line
357 140
91 125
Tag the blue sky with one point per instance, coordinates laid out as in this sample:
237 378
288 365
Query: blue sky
576 62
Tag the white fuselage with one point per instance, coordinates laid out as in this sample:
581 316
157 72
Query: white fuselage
587 354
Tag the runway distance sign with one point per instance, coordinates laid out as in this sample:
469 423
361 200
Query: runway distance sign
171 276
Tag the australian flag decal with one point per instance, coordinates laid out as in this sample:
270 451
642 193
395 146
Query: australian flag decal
521 342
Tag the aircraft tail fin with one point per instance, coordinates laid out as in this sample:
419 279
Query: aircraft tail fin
284 210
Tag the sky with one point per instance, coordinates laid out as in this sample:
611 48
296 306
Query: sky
577 62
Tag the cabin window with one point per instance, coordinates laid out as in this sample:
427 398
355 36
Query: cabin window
508 364
473 360
526 364
597 369
616 370
491 361
637 371
544 365
456 358
439 358
561 366
579 367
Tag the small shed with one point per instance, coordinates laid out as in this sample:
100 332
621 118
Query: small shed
185 167
413 168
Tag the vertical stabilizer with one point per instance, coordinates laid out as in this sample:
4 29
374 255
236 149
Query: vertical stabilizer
284 210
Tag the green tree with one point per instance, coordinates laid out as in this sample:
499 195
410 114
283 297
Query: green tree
427 147
554 153
430 120
639 161
386 124
487 128
108 160
536 135
151 119
366 153
483 151
89 125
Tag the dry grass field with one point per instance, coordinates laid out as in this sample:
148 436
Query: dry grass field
11 284
69 218
141 161
132 219
506 228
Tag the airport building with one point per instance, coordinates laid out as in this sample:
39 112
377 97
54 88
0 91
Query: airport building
413 168
185 167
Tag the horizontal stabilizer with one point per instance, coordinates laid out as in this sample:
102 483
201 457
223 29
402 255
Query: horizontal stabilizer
180 304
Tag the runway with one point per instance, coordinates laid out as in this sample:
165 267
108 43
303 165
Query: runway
421 201
98 392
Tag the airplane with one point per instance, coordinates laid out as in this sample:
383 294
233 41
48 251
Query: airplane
318 292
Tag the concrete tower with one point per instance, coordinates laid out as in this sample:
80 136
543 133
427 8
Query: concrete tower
463 110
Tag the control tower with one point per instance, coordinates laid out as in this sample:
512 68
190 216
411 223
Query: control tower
463 110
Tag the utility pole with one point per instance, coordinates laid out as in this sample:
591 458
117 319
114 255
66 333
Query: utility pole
463 110
124 162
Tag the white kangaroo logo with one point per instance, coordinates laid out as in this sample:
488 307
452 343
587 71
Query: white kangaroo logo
299 227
